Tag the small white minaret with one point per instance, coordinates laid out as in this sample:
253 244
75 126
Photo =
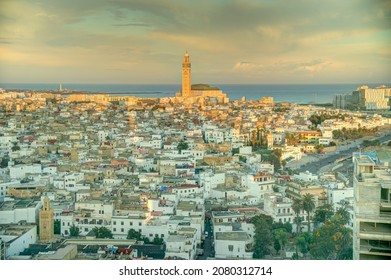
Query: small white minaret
60 87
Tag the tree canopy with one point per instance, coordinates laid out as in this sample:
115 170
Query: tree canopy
263 235
103 232
182 145
308 203
332 241
322 213
74 231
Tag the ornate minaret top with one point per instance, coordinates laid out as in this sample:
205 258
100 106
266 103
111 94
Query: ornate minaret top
186 75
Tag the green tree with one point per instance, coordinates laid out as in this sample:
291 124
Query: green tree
322 213
332 144
157 241
297 206
343 215
57 227
281 235
182 145
303 242
133 234
308 202
286 226
15 147
332 241
277 245
74 231
4 162
291 139
103 232
263 235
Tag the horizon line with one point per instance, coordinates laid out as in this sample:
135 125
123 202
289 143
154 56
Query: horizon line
73 83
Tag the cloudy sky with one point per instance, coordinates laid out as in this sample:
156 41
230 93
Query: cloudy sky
229 41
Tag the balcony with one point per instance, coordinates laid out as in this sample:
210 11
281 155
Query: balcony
378 231
375 247
385 203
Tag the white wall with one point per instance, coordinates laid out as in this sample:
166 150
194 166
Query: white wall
20 243
19 171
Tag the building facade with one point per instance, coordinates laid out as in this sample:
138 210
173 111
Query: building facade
372 210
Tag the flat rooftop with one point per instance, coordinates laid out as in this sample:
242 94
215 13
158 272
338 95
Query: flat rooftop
23 203
365 160
225 213
234 236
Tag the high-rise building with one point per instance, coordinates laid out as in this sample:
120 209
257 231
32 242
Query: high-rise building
198 92
372 209
186 75
46 221
374 98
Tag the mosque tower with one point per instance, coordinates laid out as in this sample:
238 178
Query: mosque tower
186 76
46 221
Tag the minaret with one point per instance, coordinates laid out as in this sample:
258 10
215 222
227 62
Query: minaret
186 75
46 221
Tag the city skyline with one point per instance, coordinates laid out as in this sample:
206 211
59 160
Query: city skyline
142 42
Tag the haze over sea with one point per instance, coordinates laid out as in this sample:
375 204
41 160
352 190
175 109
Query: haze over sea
295 93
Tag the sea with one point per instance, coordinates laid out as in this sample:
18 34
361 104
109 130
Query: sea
294 93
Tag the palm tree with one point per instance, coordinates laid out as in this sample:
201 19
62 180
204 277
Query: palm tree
308 206
297 206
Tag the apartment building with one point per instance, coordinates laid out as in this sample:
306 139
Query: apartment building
372 210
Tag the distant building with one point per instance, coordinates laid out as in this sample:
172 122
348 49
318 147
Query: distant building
198 92
374 98
365 98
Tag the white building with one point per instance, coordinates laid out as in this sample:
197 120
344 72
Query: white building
20 171
233 245
258 184
338 193
209 180
374 98
12 212
306 176
17 238
182 244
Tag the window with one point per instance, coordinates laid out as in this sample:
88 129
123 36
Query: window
131 223
114 223
230 248
162 235
122 230
139 223
122 223
114 229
